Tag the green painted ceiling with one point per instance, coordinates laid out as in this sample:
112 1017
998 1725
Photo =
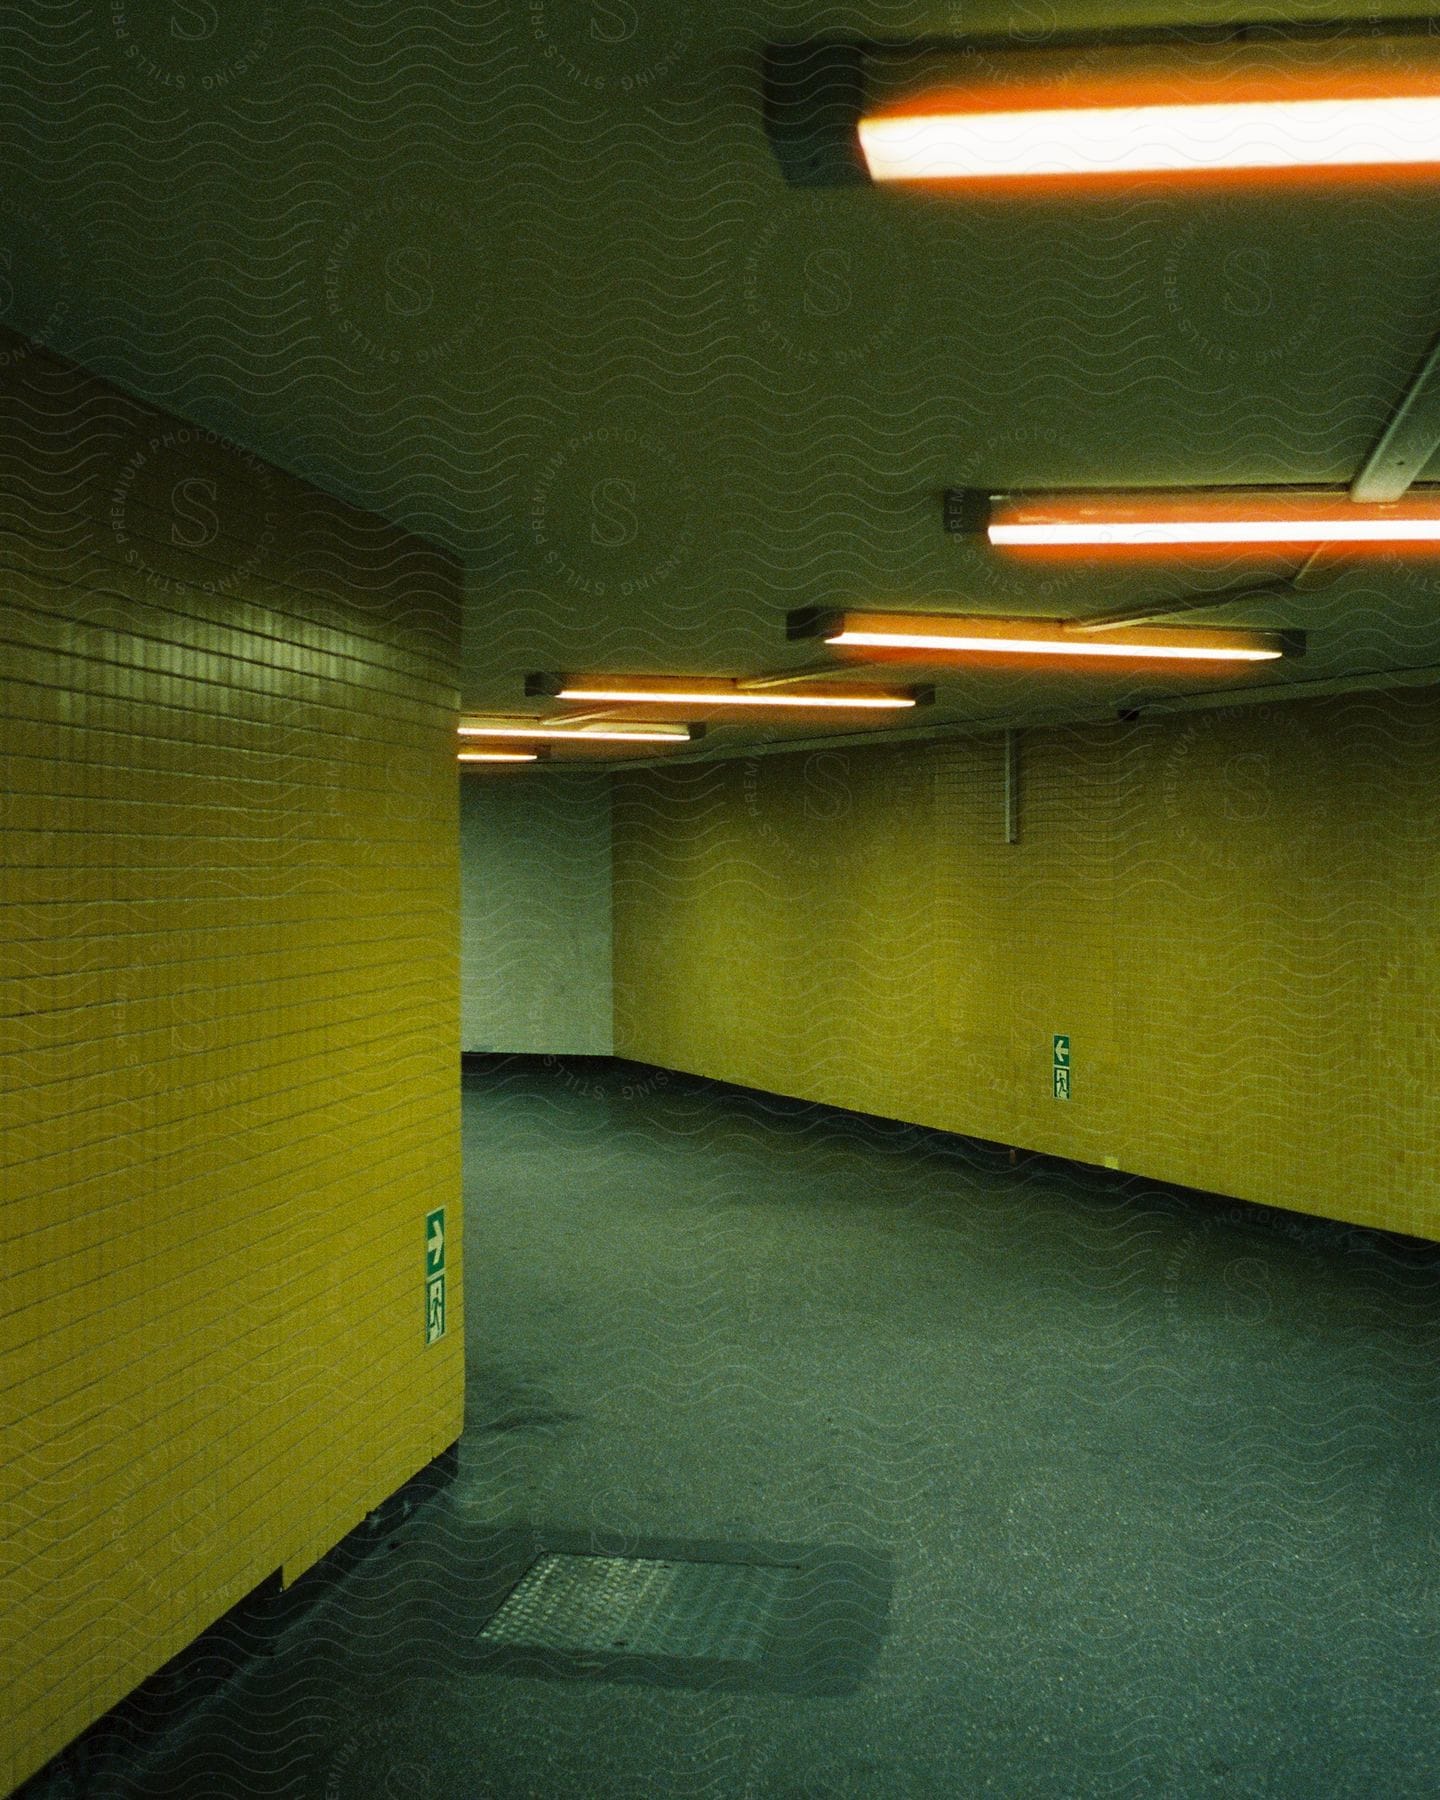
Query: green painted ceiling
525 277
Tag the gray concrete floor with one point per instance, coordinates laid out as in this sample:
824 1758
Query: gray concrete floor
1135 1492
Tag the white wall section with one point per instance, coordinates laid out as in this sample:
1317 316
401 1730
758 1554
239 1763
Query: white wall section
535 911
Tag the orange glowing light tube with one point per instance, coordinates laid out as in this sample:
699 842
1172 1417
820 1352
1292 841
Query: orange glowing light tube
1212 118
542 730
1216 519
932 638
706 691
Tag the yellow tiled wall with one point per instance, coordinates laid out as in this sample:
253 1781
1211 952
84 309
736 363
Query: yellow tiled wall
229 1008
1234 916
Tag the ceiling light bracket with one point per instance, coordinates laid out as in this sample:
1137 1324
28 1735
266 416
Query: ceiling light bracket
966 512
812 98
812 622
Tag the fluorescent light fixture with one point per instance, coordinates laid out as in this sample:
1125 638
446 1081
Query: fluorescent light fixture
929 637
1214 518
1093 108
707 691
530 729
498 756
955 142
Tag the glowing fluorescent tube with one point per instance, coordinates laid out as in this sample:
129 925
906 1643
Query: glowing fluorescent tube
931 638
618 734
1212 518
707 691
934 143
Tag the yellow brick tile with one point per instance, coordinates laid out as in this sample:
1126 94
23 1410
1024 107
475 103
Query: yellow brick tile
227 1021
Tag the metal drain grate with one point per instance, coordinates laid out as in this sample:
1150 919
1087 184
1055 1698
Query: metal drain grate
641 1606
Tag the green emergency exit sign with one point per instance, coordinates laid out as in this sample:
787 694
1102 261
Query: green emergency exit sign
1060 1065
435 1275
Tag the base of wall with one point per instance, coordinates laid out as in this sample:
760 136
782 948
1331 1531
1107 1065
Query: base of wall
250 1628
624 1077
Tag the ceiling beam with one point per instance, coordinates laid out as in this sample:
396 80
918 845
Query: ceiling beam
1149 611
825 671
1408 441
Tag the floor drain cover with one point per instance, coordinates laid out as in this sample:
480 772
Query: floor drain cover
641 1606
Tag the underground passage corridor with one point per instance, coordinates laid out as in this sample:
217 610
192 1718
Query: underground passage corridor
720 900
1001 1476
